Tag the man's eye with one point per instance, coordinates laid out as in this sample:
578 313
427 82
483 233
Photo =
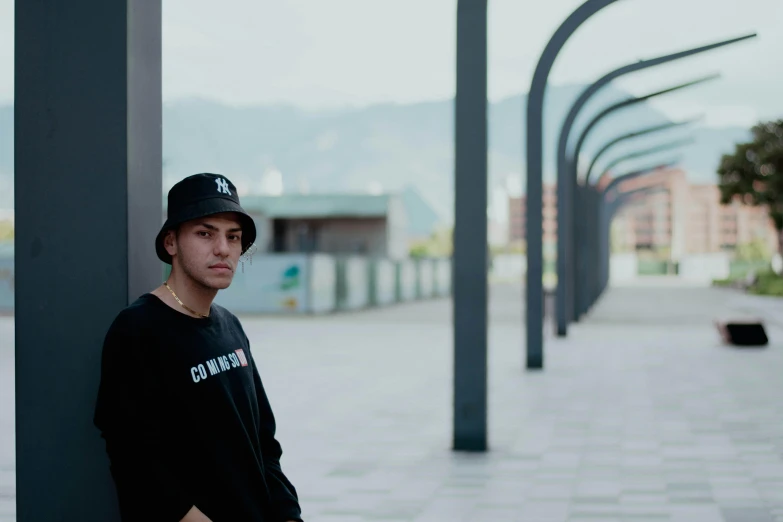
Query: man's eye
203 233
234 238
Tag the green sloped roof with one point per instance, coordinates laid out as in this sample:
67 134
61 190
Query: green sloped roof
422 219
318 205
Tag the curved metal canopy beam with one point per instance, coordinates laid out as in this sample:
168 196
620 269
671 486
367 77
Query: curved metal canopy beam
534 286
624 105
566 186
570 119
579 238
637 173
641 153
636 134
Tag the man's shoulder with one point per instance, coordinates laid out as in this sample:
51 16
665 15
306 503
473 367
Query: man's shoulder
225 315
138 317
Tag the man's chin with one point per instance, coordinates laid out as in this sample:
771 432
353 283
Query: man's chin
219 283
222 285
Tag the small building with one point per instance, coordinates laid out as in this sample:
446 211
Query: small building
339 224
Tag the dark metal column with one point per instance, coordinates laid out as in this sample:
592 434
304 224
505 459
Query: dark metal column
577 239
588 225
602 243
581 246
595 261
88 205
534 289
594 250
470 229
566 186
606 244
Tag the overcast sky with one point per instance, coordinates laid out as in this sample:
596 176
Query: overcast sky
327 53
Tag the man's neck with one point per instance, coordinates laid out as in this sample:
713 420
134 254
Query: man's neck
193 295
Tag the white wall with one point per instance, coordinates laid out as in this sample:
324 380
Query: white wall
443 276
623 266
408 280
427 277
323 294
509 266
357 282
705 267
385 282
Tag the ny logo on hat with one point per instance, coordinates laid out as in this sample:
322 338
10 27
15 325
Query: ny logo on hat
222 186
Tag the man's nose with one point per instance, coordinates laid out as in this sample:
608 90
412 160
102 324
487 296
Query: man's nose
221 246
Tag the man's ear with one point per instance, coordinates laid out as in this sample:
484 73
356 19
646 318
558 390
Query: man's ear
170 242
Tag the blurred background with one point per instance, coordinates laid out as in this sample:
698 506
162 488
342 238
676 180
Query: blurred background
353 98
335 121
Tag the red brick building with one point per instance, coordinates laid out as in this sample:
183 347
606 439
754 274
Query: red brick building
685 218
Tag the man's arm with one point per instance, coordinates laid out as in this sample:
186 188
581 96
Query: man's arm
147 487
285 503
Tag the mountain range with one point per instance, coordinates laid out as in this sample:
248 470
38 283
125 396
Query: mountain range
387 146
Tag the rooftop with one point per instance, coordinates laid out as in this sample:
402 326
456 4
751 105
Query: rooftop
318 205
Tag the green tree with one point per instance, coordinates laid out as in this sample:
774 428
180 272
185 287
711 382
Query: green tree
755 250
419 250
439 244
6 230
754 173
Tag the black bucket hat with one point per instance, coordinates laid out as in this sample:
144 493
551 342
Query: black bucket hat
203 195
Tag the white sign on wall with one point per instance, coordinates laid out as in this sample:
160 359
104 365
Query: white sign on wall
273 283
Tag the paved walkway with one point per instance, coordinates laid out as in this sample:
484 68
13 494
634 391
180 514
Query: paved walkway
639 415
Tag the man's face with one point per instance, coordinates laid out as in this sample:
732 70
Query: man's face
207 250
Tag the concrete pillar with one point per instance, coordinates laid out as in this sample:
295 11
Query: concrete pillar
88 206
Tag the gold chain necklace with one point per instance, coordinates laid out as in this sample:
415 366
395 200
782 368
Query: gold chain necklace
192 311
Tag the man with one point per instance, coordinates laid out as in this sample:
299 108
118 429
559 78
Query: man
189 431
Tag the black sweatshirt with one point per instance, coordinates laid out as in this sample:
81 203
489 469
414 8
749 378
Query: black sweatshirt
186 419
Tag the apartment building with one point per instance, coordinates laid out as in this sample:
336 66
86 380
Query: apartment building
678 216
